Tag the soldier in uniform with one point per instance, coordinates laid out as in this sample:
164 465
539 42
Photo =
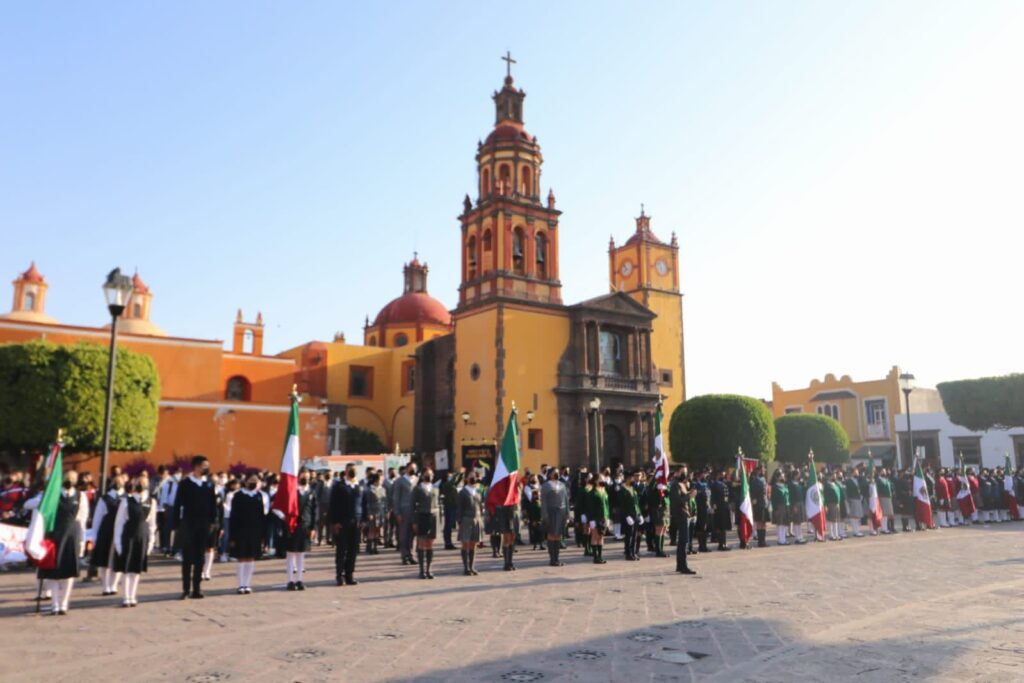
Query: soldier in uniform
469 511
426 510
720 506
554 502
629 514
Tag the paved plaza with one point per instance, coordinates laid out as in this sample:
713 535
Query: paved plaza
940 605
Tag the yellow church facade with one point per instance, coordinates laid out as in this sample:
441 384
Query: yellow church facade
586 378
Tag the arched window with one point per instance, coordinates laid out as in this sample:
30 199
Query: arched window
238 389
471 257
373 341
28 302
504 179
137 310
487 240
247 342
401 339
485 184
542 254
518 251
525 186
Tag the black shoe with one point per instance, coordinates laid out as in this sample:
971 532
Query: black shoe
196 595
724 547
351 582
184 596
291 586
339 582
449 546
299 586
687 571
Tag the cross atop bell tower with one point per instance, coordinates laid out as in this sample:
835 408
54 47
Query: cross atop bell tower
508 102
508 64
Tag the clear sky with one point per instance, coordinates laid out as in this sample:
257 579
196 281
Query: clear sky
846 179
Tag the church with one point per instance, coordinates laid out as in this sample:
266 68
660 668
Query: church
586 378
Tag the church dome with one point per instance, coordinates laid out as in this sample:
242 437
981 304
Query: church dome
414 307
506 131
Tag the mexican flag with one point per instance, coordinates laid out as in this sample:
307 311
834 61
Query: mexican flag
37 546
286 500
1011 500
874 505
812 502
746 521
660 461
922 503
963 496
504 488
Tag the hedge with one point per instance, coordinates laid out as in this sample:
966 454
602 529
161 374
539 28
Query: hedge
796 434
985 403
708 430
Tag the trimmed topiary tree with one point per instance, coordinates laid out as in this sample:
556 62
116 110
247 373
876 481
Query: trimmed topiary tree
986 403
798 433
707 430
46 386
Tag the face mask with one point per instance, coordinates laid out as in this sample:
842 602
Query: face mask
303 482
177 476
252 486
67 484
139 488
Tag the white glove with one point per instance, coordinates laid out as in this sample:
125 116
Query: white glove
629 521
117 547
647 520
584 518
279 513
593 525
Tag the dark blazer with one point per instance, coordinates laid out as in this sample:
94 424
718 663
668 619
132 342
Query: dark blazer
195 506
346 503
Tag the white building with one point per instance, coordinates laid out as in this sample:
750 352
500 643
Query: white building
940 442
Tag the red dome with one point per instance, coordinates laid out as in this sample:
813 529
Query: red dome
509 132
414 307
32 274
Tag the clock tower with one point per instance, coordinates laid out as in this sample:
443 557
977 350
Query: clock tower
647 270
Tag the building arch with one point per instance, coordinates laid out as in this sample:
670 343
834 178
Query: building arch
238 388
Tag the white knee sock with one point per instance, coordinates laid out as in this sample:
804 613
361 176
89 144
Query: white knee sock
65 593
131 584
53 587
782 535
799 532
250 567
115 580
208 563
855 523
241 574
300 565
106 578
289 566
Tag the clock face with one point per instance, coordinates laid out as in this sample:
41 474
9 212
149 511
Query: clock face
661 267
627 268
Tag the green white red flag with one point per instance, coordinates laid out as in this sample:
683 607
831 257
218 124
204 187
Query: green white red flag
922 503
504 488
874 505
963 496
286 499
37 545
746 520
812 502
660 460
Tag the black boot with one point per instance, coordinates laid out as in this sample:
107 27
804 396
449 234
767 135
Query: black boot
659 543
430 561
599 555
465 563
420 558
472 562
494 545
761 543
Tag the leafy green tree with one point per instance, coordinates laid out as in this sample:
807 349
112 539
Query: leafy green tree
359 440
985 403
707 430
798 433
47 386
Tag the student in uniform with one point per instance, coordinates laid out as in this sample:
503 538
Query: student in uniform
597 514
67 537
832 515
135 534
195 514
376 504
101 534
297 543
531 506
469 512
554 501
854 504
426 510
248 525
780 505
660 516
216 531
346 522
629 514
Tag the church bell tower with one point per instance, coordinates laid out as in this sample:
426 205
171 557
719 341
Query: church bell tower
509 236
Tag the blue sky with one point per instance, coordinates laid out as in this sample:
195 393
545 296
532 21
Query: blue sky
844 178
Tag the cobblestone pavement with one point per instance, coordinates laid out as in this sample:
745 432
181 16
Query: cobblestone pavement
941 605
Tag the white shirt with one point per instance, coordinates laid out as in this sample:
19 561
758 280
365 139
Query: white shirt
98 515
122 518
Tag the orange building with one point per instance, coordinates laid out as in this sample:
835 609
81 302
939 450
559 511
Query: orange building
231 406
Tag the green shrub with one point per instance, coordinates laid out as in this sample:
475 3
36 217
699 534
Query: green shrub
986 403
798 433
708 430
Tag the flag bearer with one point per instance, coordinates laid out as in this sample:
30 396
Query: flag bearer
67 537
298 542
780 505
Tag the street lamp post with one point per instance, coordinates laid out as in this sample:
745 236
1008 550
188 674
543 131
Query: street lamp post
907 386
595 405
118 292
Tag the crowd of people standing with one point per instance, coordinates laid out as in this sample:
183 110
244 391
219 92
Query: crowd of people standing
200 517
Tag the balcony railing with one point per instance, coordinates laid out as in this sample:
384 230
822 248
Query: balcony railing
608 383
